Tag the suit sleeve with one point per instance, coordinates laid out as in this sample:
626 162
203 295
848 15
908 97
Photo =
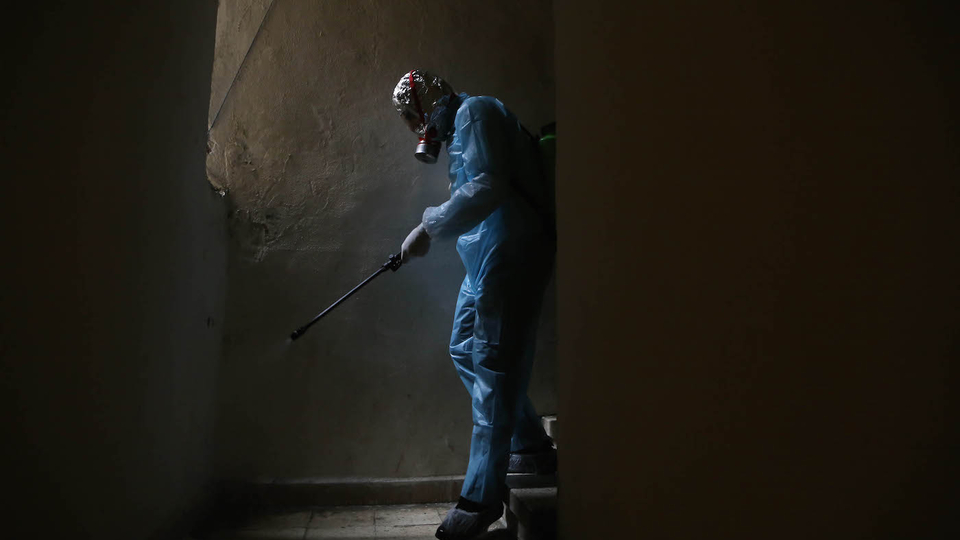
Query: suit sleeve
486 162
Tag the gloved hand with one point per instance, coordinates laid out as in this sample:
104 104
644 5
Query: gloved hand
417 244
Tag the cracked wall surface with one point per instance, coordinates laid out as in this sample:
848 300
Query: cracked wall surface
322 184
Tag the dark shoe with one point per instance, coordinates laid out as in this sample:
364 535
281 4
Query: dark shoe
461 524
540 462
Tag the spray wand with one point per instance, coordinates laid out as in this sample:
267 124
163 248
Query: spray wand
392 264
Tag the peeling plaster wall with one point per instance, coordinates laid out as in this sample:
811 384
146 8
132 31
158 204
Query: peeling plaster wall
114 270
320 174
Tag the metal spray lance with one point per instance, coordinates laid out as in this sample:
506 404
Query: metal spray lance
392 264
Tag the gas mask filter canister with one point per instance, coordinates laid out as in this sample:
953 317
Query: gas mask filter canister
428 149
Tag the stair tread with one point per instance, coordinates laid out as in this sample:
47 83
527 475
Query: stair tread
523 481
535 500
532 513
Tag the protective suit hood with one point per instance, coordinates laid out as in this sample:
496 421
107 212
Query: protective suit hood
432 102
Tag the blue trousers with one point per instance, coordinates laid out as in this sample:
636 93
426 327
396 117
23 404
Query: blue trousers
492 346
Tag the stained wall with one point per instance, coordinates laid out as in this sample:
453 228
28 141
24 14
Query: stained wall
320 175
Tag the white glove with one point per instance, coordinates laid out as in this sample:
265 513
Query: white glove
417 244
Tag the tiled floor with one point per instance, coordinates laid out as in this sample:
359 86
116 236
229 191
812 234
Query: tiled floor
408 522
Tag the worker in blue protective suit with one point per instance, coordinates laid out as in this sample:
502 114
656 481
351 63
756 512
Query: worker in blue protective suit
496 212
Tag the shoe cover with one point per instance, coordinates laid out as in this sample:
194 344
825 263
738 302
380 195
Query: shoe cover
461 525
543 462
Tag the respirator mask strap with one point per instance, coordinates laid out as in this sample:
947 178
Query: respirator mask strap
427 149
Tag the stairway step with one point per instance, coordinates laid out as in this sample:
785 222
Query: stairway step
525 481
535 512
550 426
532 511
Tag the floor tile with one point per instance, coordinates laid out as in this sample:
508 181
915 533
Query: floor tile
279 520
405 515
443 508
344 537
357 533
262 534
342 523
406 531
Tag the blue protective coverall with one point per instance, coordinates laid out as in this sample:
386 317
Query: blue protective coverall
503 241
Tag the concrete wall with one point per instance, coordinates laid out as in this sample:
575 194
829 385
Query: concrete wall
758 306
320 173
114 269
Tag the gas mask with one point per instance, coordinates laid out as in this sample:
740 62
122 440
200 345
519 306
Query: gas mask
427 104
